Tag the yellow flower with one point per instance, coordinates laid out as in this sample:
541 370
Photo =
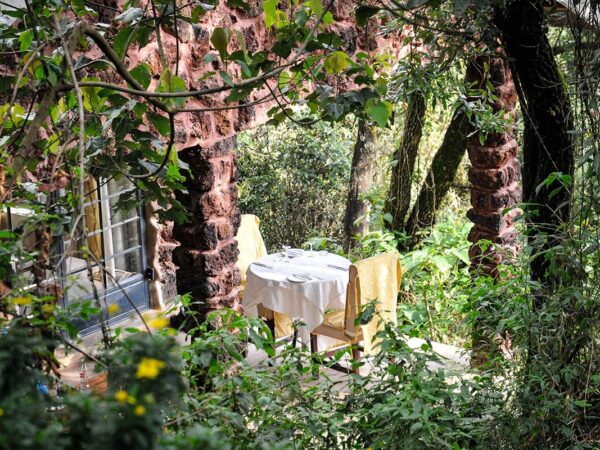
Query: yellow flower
149 368
113 309
48 308
131 399
121 396
139 410
159 322
1 412
21 301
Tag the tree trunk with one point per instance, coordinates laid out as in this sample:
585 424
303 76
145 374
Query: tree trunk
355 219
439 178
548 146
398 200
494 177
494 172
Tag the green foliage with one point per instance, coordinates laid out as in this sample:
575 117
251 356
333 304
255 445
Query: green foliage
436 282
402 404
295 180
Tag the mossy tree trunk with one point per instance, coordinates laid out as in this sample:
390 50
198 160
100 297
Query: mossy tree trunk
548 145
398 199
357 208
440 176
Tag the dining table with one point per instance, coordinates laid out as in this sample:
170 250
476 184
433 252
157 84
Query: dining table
302 284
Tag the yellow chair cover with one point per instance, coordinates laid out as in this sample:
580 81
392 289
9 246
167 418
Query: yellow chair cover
252 248
250 244
380 277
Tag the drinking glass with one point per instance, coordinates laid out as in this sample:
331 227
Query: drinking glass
286 249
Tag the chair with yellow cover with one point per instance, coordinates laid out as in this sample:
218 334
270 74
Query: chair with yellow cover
252 248
376 278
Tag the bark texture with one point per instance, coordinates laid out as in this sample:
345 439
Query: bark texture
548 146
495 172
355 219
440 176
398 200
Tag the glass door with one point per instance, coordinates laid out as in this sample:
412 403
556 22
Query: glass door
115 248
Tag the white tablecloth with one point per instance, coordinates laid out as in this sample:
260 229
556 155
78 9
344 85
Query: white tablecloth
308 300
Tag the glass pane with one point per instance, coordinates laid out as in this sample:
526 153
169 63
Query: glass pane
77 285
129 263
120 193
125 237
125 266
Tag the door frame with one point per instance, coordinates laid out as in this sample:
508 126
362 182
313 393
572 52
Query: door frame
137 287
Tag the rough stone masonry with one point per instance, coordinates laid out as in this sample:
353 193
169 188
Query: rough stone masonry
204 262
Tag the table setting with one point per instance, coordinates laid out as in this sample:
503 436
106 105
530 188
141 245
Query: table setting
303 284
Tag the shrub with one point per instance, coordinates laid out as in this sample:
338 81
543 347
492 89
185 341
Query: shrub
295 180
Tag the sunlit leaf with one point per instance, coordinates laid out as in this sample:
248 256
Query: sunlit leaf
270 9
220 40
337 62
380 112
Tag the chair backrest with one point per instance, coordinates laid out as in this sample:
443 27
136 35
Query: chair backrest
376 278
250 243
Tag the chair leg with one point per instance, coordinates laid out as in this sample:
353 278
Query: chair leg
313 343
314 350
271 325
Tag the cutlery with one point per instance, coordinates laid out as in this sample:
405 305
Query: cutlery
304 277
337 267
262 265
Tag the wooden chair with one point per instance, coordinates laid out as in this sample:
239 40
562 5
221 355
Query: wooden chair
252 248
339 324
376 278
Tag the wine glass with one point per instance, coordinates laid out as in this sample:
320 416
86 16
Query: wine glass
285 250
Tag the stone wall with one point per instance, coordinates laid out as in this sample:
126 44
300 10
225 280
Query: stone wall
207 255
204 261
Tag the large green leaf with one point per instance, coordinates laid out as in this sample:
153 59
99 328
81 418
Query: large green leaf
317 7
25 40
270 9
337 62
161 123
172 83
219 40
142 74
380 112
